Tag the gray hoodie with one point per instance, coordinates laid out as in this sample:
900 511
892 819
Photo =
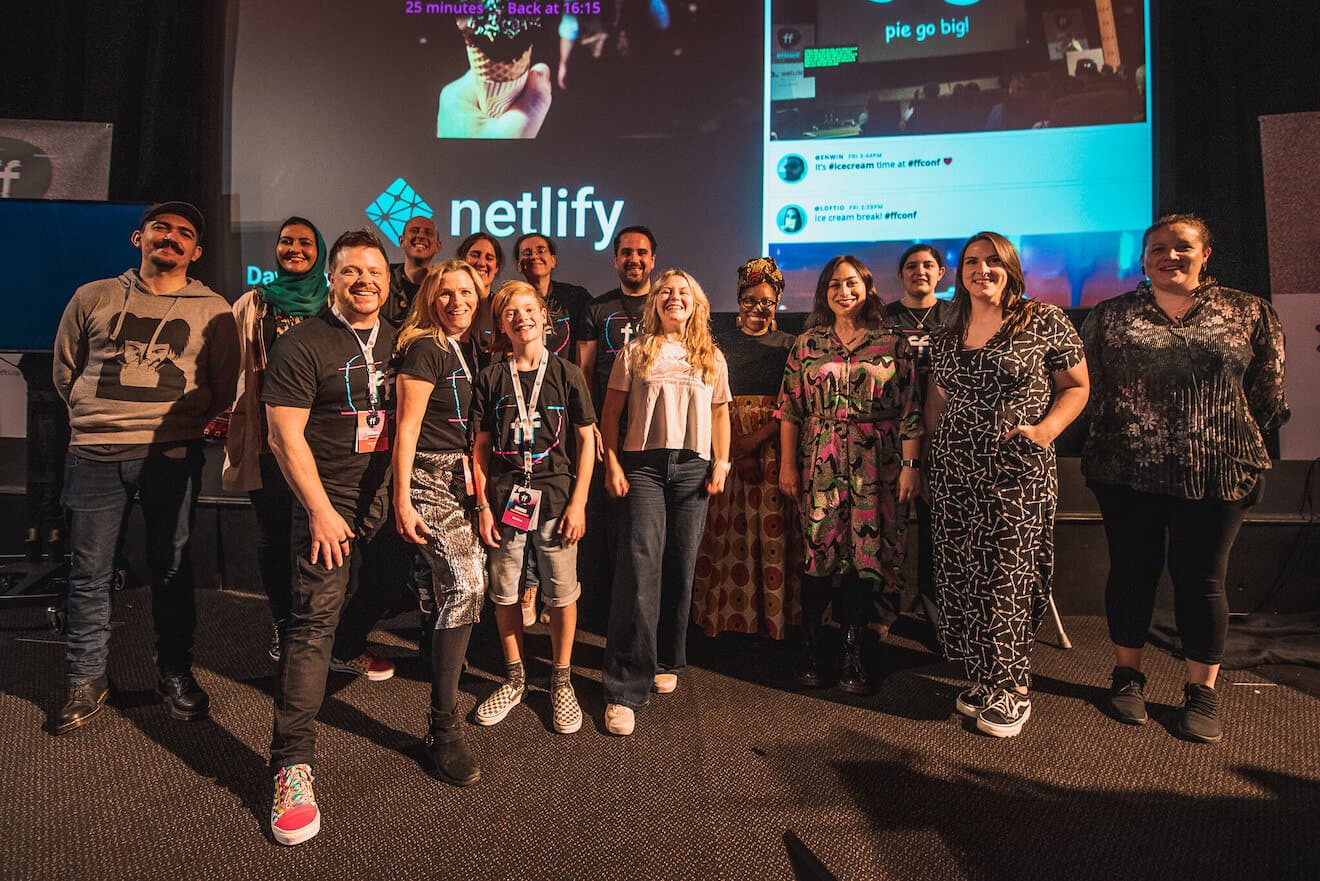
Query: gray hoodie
137 367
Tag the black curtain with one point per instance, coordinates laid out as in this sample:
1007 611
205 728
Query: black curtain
155 69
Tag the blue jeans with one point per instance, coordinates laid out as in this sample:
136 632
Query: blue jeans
665 516
96 500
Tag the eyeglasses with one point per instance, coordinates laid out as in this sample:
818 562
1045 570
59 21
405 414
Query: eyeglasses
766 305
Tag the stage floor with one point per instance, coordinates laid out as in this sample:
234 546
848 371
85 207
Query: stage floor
895 785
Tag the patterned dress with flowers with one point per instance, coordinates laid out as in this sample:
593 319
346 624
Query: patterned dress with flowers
747 567
854 408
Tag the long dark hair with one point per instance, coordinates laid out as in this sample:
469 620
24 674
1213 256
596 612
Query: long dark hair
873 308
1017 310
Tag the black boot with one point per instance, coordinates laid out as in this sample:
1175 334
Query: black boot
852 672
83 701
183 696
451 759
808 666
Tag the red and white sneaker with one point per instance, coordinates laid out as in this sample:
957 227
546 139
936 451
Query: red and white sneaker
366 664
294 816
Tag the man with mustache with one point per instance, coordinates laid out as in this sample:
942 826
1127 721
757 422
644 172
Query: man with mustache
615 317
420 245
144 361
330 406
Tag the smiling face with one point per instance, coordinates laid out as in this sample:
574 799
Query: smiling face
983 272
674 304
756 308
1174 257
456 303
523 319
535 261
634 260
295 251
359 282
846 292
921 274
419 241
168 242
481 257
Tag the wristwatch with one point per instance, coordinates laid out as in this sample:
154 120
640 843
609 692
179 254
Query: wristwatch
910 463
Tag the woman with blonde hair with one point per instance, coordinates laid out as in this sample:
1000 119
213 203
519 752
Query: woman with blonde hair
434 506
675 384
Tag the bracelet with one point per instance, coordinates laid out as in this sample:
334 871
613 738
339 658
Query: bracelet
910 463
483 506
721 463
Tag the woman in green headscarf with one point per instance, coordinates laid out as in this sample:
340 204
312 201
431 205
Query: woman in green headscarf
299 290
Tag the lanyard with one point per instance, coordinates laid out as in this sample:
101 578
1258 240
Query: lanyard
373 381
458 350
527 407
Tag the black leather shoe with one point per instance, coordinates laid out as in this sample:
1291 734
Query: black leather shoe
808 666
183 696
451 758
83 701
853 677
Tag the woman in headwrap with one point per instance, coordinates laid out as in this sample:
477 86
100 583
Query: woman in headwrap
747 568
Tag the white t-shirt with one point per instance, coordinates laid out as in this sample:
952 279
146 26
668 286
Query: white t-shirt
669 407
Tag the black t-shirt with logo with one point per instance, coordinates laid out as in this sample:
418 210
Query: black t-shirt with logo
567 302
445 427
563 405
917 326
611 320
402 292
318 366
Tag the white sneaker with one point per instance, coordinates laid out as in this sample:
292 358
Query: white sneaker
664 683
620 720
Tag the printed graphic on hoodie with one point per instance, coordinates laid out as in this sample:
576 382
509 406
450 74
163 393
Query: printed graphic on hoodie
142 366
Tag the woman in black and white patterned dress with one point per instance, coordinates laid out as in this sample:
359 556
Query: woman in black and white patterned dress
1007 377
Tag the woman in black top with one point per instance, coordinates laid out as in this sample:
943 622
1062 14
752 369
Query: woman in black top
747 567
433 502
1186 376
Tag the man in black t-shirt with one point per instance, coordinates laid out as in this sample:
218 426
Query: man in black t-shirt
614 317
420 245
329 404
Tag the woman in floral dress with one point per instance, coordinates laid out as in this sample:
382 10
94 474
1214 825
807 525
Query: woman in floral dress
850 434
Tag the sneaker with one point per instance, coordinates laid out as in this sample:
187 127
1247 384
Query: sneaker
973 700
620 720
664 683
294 816
366 664
1005 715
1199 720
276 637
1127 696
567 715
529 606
494 708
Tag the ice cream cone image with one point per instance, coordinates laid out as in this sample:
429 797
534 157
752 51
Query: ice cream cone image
501 82
499 47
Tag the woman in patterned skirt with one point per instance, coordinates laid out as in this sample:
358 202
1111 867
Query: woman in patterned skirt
1007 377
746 574
1186 378
433 503
847 406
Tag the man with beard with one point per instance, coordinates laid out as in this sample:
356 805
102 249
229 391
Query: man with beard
615 316
144 361
420 245
330 408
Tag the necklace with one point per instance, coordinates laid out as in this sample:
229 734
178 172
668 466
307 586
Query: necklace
921 322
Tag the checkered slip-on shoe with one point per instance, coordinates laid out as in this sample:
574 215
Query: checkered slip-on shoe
494 708
566 713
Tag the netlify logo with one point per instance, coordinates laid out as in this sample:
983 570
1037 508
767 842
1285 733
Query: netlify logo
551 212
24 170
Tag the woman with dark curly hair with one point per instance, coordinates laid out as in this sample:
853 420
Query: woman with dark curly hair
1186 377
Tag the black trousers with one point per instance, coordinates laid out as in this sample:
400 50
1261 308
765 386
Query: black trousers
1194 537
273 505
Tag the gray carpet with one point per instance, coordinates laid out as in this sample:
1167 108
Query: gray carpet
895 785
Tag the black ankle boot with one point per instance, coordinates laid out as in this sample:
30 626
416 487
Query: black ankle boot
451 759
852 672
808 666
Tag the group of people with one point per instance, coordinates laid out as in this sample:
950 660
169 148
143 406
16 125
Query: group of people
369 405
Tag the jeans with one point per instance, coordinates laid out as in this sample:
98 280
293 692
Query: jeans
1200 534
317 598
663 520
273 505
97 497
